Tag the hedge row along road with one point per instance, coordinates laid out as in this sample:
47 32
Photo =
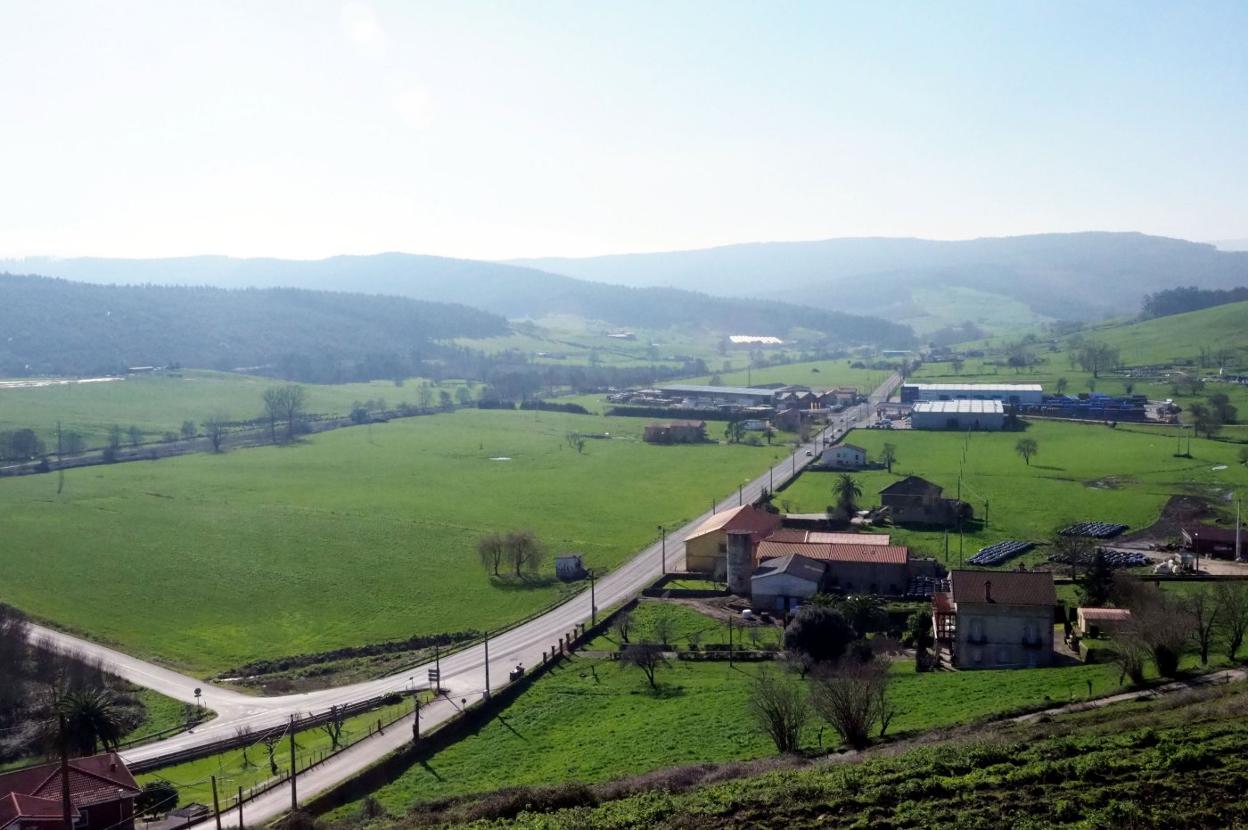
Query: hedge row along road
463 672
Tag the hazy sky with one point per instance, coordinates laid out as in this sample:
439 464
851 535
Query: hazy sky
491 130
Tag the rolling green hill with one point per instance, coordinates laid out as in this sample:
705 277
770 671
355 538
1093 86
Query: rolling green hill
1179 337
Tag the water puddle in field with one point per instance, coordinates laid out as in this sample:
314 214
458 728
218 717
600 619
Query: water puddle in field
500 458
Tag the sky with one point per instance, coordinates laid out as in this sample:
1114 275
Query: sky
525 128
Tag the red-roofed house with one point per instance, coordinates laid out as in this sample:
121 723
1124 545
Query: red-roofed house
101 792
706 548
996 619
848 568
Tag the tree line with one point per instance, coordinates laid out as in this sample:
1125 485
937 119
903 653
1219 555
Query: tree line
1189 298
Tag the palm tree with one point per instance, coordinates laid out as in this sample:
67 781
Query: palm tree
847 492
91 720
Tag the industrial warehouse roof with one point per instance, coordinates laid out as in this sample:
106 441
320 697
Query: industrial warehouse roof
961 407
760 339
977 387
876 554
819 537
711 391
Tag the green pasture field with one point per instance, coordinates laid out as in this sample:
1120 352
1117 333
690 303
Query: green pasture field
819 374
1081 472
1174 762
193 778
160 403
934 308
350 537
593 720
1178 337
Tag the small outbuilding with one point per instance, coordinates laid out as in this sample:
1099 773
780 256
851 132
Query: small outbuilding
1209 540
783 583
917 501
570 567
1101 622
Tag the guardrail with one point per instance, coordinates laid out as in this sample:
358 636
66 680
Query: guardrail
347 710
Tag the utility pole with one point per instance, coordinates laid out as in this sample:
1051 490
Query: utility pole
437 666
487 665
593 601
216 804
740 496
294 795
67 810
415 717
662 552
240 809
730 642
1239 532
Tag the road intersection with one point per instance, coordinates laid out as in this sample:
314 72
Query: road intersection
463 672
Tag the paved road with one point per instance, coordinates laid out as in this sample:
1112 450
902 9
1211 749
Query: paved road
463 673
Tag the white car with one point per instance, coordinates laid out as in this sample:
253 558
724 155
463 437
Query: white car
747 614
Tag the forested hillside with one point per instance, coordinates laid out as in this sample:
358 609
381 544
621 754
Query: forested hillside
502 289
52 326
1077 276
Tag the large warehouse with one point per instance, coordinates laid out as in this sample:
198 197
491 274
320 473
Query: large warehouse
713 395
1026 394
960 415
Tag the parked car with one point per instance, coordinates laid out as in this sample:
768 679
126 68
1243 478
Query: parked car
747 614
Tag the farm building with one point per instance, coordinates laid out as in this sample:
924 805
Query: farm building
713 395
958 415
101 794
706 548
820 537
675 432
996 619
1207 540
570 566
914 500
870 568
1101 622
1023 394
782 583
844 457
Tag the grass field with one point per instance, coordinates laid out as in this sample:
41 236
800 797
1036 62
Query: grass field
1082 472
593 720
160 403
355 536
1177 762
1179 337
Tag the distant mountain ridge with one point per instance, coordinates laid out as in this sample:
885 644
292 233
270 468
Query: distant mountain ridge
507 290
54 326
1077 276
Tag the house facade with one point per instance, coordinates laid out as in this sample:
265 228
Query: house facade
917 501
785 582
996 619
706 548
844 457
101 792
675 432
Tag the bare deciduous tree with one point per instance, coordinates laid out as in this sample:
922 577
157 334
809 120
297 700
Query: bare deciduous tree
1157 620
646 656
850 698
333 728
1232 615
271 740
284 404
779 709
1201 605
524 551
243 733
214 428
576 441
492 549
663 627
623 625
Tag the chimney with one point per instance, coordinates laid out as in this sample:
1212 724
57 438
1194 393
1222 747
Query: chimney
987 590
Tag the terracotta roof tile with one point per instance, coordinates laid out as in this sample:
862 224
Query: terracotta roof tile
1003 587
879 554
